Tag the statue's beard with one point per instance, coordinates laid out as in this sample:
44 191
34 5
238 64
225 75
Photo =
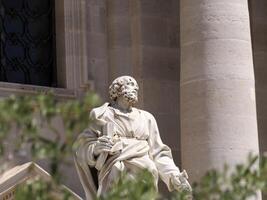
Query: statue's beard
130 97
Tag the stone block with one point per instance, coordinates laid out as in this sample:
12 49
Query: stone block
98 70
97 22
97 46
259 32
176 8
262 128
26 174
259 58
227 97
173 33
160 63
119 32
120 62
204 5
96 2
204 159
225 128
154 31
222 23
176 154
155 93
260 74
160 8
261 96
258 10
118 7
102 90
161 32
169 127
234 64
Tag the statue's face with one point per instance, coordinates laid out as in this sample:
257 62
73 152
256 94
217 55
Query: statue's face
130 91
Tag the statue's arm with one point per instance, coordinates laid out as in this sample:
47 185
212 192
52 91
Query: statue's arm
84 161
94 142
86 144
84 147
162 157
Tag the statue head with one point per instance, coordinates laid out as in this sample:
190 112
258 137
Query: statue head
126 87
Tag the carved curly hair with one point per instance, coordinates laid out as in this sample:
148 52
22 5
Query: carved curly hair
117 86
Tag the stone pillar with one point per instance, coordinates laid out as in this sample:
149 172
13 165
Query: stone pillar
218 111
71 45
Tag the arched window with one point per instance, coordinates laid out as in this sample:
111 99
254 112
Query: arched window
27 44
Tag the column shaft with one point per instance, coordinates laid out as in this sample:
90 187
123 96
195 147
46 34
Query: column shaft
218 112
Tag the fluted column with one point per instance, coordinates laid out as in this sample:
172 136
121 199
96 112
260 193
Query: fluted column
218 112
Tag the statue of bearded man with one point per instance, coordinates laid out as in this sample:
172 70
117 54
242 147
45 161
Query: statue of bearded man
124 138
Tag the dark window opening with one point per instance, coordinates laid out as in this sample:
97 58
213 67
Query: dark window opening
27 43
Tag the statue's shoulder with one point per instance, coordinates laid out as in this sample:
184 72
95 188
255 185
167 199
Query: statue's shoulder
98 111
147 114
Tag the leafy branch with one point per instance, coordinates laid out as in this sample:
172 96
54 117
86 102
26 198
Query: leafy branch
34 117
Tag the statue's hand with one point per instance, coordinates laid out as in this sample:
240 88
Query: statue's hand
103 144
180 182
180 186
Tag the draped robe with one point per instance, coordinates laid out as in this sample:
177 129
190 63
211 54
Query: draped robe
142 148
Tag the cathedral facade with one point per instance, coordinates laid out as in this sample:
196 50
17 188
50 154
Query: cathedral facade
200 65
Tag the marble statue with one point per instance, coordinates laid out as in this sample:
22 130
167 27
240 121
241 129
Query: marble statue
124 138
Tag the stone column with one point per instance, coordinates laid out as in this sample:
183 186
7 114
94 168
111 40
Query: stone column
218 111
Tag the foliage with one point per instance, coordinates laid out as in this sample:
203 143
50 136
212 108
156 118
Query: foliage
241 183
39 189
35 121
29 116
128 188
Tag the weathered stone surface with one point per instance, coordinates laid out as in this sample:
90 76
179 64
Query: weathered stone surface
155 93
160 8
168 125
119 7
28 172
120 32
124 134
160 63
218 108
120 61
259 40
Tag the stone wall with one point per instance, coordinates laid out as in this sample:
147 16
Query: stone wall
139 38
258 17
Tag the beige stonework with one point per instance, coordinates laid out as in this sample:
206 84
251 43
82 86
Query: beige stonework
143 41
98 40
218 108
11 179
71 43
